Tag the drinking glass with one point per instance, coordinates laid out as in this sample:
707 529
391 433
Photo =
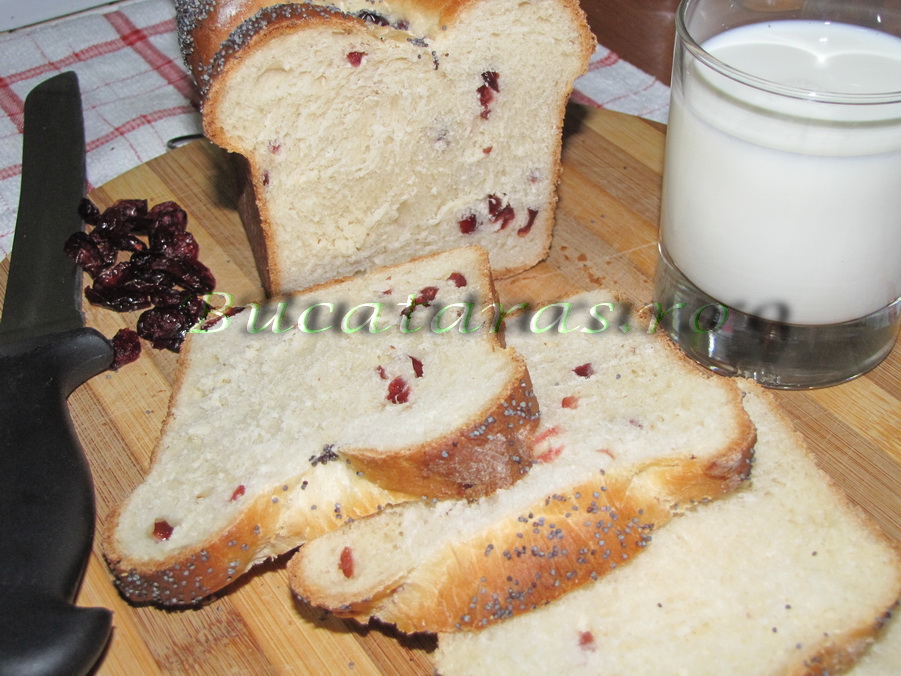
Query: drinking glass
780 237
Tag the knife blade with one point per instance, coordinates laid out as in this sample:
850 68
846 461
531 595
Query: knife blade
46 490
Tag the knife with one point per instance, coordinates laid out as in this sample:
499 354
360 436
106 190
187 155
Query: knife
46 491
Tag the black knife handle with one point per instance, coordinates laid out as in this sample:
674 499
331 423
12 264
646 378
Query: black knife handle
46 507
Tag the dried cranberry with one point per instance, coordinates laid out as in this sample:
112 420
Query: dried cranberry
113 277
586 641
170 297
486 92
426 295
126 348
458 279
105 247
382 373
346 562
163 328
500 212
147 281
494 205
417 367
190 274
398 391
122 212
570 402
486 96
125 241
116 299
194 309
355 58
164 272
90 255
162 530
505 216
524 230
237 493
425 298
402 25
167 215
468 224
89 212
168 209
174 244
551 454
584 371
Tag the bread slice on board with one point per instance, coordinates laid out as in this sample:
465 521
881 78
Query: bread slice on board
380 131
631 434
784 576
289 419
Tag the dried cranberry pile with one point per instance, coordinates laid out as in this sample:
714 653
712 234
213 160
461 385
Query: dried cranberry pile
143 259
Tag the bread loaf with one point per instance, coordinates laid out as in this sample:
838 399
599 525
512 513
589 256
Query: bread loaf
281 428
783 577
631 435
378 131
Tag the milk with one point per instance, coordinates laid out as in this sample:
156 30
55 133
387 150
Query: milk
793 215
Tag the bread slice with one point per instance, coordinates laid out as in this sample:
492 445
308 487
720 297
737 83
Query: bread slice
280 428
632 434
380 131
782 577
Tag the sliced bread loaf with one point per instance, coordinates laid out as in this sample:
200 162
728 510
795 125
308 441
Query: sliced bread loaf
631 435
281 428
380 131
782 577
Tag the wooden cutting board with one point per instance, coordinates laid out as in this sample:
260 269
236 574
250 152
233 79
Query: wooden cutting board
605 237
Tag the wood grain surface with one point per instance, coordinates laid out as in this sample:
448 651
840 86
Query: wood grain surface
605 237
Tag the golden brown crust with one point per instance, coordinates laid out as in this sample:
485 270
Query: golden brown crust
491 452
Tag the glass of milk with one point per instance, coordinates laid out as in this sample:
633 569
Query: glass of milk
780 238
